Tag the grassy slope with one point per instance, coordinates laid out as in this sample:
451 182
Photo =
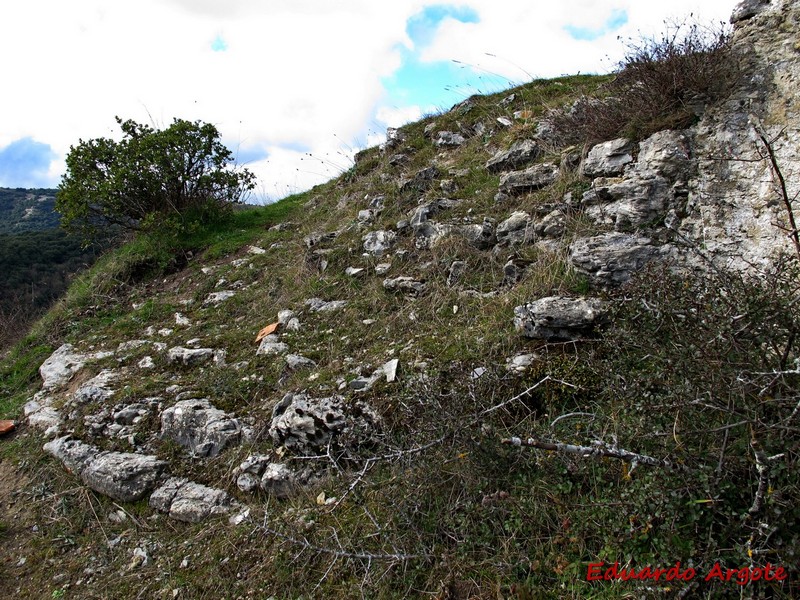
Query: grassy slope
471 517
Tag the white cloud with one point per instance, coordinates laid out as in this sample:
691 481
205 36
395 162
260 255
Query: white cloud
301 74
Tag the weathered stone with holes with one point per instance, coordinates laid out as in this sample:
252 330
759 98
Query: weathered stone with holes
123 476
611 258
304 424
532 178
520 154
561 318
190 502
200 427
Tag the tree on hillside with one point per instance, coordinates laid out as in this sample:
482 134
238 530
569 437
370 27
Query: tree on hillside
152 177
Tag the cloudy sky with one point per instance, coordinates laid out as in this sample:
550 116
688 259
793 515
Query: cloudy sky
294 86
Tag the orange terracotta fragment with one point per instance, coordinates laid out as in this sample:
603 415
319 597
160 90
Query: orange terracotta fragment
7 427
266 331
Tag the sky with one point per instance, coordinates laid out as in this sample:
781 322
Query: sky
295 87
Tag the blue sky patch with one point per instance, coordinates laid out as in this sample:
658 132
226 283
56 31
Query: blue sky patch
421 28
244 155
433 85
437 85
219 44
618 18
25 163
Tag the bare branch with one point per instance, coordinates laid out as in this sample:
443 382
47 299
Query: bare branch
780 183
598 449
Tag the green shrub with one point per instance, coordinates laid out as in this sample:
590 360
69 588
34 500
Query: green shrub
151 179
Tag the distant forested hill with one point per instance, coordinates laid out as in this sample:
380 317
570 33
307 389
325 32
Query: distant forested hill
37 258
27 210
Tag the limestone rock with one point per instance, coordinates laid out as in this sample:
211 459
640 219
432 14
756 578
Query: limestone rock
532 178
406 285
557 317
200 427
260 472
632 202
123 476
41 414
271 345
515 229
315 238
378 242
748 9
278 480
456 272
97 389
60 366
288 320
190 357
520 154
74 454
608 158
448 138
366 216
421 180
387 370
481 236
191 502
296 362
666 153
520 362
611 258
217 298
320 305
553 225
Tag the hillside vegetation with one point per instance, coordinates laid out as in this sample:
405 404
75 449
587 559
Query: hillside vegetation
405 427
37 259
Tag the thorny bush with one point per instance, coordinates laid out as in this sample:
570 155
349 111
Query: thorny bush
661 83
